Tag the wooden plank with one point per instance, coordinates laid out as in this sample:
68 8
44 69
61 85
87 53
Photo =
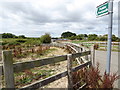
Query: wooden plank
48 80
81 66
81 54
37 63
1 70
44 82
1 78
8 69
69 69
72 48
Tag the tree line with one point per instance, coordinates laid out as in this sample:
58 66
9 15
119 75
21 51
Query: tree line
90 37
66 35
10 35
11 39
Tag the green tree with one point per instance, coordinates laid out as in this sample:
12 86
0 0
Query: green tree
81 36
8 35
72 37
114 38
92 37
45 38
67 34
102 38
22 36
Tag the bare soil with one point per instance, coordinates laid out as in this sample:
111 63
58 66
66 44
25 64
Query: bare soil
58 68
55 51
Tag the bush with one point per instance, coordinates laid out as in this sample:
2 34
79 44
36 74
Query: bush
21 36
21 41
46 38
13 43
96 46
33 42
8 35
93 78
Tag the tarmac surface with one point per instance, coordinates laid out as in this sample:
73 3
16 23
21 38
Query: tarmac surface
101 58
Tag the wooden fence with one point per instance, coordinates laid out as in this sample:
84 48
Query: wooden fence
102 45
8 68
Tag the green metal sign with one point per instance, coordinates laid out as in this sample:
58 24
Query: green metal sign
102 9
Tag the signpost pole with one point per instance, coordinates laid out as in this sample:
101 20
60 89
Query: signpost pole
109 36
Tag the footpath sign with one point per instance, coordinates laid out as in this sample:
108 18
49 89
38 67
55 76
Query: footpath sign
102 9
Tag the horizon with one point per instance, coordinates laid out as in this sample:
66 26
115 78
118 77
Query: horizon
57 37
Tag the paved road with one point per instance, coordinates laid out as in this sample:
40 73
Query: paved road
100 56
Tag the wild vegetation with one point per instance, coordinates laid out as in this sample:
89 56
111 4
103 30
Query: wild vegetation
9 39
93 79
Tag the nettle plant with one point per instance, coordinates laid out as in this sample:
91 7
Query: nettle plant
93 79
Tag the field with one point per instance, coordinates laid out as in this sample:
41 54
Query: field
32 49
39 73
27 41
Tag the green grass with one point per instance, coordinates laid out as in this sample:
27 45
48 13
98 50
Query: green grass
50 50
29 76
18 41
114 50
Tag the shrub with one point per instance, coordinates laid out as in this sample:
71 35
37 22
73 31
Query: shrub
33 42
46 38
92 77
21 41
96 46
13 43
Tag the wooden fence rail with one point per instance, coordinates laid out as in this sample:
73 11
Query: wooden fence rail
8 68
48 80
18 67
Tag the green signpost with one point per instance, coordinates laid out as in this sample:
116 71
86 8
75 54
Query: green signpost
102 9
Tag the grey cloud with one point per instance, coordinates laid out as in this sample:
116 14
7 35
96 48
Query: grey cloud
36 20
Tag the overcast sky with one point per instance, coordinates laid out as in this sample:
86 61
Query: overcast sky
34 18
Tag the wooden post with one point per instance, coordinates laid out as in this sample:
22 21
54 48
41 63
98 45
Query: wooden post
8 69
0 69
86 57
0 79
69 69
93 55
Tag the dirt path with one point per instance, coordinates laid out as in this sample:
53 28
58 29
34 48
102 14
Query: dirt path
58 67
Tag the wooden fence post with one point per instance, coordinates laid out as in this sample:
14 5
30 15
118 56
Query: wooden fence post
69 69
8 69
0 79
93 55
0 69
